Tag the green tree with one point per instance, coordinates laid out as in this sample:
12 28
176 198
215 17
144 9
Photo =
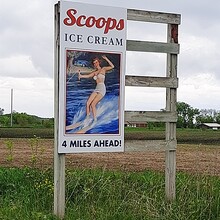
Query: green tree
218 118
186 115
25 120
208 116
4 120
1 111
48 123
21 119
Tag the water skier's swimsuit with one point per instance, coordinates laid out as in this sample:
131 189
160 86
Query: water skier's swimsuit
100 87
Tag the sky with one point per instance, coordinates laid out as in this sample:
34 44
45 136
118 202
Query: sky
27 47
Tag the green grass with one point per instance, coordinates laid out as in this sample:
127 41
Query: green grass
99 194
198 136
190 136
26 132
25 194
106 195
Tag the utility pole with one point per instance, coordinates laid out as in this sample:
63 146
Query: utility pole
11 106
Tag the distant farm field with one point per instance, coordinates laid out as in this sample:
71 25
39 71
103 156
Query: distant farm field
26 132
110 184
191 136
197 150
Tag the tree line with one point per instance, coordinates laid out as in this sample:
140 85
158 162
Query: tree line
24 120
188 117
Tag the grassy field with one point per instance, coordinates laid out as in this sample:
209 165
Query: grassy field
104 195
26 132
27 193
192 136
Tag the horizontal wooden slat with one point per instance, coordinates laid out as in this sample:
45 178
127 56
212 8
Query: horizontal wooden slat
147 81
151 16
150 116
149 145
156 47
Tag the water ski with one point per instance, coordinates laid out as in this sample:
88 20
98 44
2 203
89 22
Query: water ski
83 130
72 126
87 124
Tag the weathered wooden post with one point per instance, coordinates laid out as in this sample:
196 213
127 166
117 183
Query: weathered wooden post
81 29
170 169
169 116
59 159
170 82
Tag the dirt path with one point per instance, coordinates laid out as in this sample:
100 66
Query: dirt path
190 158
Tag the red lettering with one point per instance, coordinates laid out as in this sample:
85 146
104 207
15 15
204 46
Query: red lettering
108 24
79 20
70 20
120 25
90 21
100 22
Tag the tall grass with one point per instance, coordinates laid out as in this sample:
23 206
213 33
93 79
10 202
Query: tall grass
187 136
25 194
100 194
195 136
13 132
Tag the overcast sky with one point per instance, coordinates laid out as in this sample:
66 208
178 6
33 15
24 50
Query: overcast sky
26 54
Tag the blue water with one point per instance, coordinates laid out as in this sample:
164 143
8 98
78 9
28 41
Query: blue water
77 93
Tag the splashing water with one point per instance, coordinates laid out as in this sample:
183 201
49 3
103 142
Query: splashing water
107 118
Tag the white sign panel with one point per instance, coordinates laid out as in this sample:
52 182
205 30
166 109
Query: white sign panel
91 78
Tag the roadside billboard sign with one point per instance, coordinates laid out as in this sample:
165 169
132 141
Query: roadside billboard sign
91 78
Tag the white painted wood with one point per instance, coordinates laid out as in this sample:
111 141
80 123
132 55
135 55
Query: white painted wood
170 154
149 145
59 159
147 81
156 47
151 16
170 175
170 82
150 116
59 185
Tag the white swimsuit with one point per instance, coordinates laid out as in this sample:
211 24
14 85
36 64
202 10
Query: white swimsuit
100 87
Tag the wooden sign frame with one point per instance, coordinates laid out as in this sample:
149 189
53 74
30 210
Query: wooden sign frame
169 116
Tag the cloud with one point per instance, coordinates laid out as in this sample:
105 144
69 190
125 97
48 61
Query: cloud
26 58
200 91
18 66
31 95
144 99
146 64
198 54
28 31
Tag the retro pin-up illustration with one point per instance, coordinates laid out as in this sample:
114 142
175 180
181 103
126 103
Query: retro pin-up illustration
92 92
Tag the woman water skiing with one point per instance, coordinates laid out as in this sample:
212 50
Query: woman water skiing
99 76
